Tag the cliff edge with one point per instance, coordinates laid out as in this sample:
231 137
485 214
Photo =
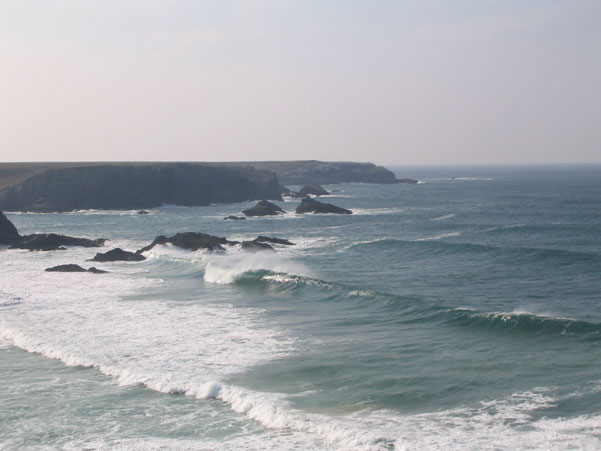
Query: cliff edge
135 186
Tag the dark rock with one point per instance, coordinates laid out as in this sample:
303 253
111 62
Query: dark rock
95 270
266 239
308 205
8 231
118 255
285 190
308 190
235 218
74 268
142 212
190 240
254 246
52 242
137 186
66 268
264 208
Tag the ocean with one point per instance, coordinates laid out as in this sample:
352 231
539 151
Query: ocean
462 312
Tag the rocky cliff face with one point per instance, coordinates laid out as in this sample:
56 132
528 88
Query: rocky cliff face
136 186
312 172
8 232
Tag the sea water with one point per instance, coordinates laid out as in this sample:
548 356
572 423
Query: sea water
463 312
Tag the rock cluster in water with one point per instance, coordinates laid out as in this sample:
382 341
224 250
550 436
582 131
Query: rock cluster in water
267 239
74 268
191 241
118 255
306 191
309 205
53 242
264 208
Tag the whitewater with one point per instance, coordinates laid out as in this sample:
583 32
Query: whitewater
462 312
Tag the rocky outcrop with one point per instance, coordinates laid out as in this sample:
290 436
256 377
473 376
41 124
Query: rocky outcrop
273 240
313 172
234 218
191 241
264 208
95 270
8 232
118 255
137 186
254 246
66 268
74 268
142 212
307 190
309 205
53 242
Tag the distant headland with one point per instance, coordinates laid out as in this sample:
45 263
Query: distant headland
57 187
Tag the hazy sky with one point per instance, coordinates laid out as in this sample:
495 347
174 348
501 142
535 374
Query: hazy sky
393 82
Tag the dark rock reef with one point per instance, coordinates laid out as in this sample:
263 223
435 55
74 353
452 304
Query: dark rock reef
307 190
142 212
53 242
234 218
264 208
8 232
192 241
309 205
255 246
118 255
40 241
273 240
136 186
74 268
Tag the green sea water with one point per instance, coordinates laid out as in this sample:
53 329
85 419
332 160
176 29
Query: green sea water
463 312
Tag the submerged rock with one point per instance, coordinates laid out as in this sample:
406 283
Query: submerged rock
118 255
235 218
266 239
74 268
8 231
264 208
254 246
52 242
308 205
142 212
190 240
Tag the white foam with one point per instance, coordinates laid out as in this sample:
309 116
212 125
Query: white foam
488 179
438 237
377 211
225 269
442 218
506 423
490 229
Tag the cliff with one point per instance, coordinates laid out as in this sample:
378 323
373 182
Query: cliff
313 172
60 187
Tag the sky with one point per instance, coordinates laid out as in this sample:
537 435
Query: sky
392 82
